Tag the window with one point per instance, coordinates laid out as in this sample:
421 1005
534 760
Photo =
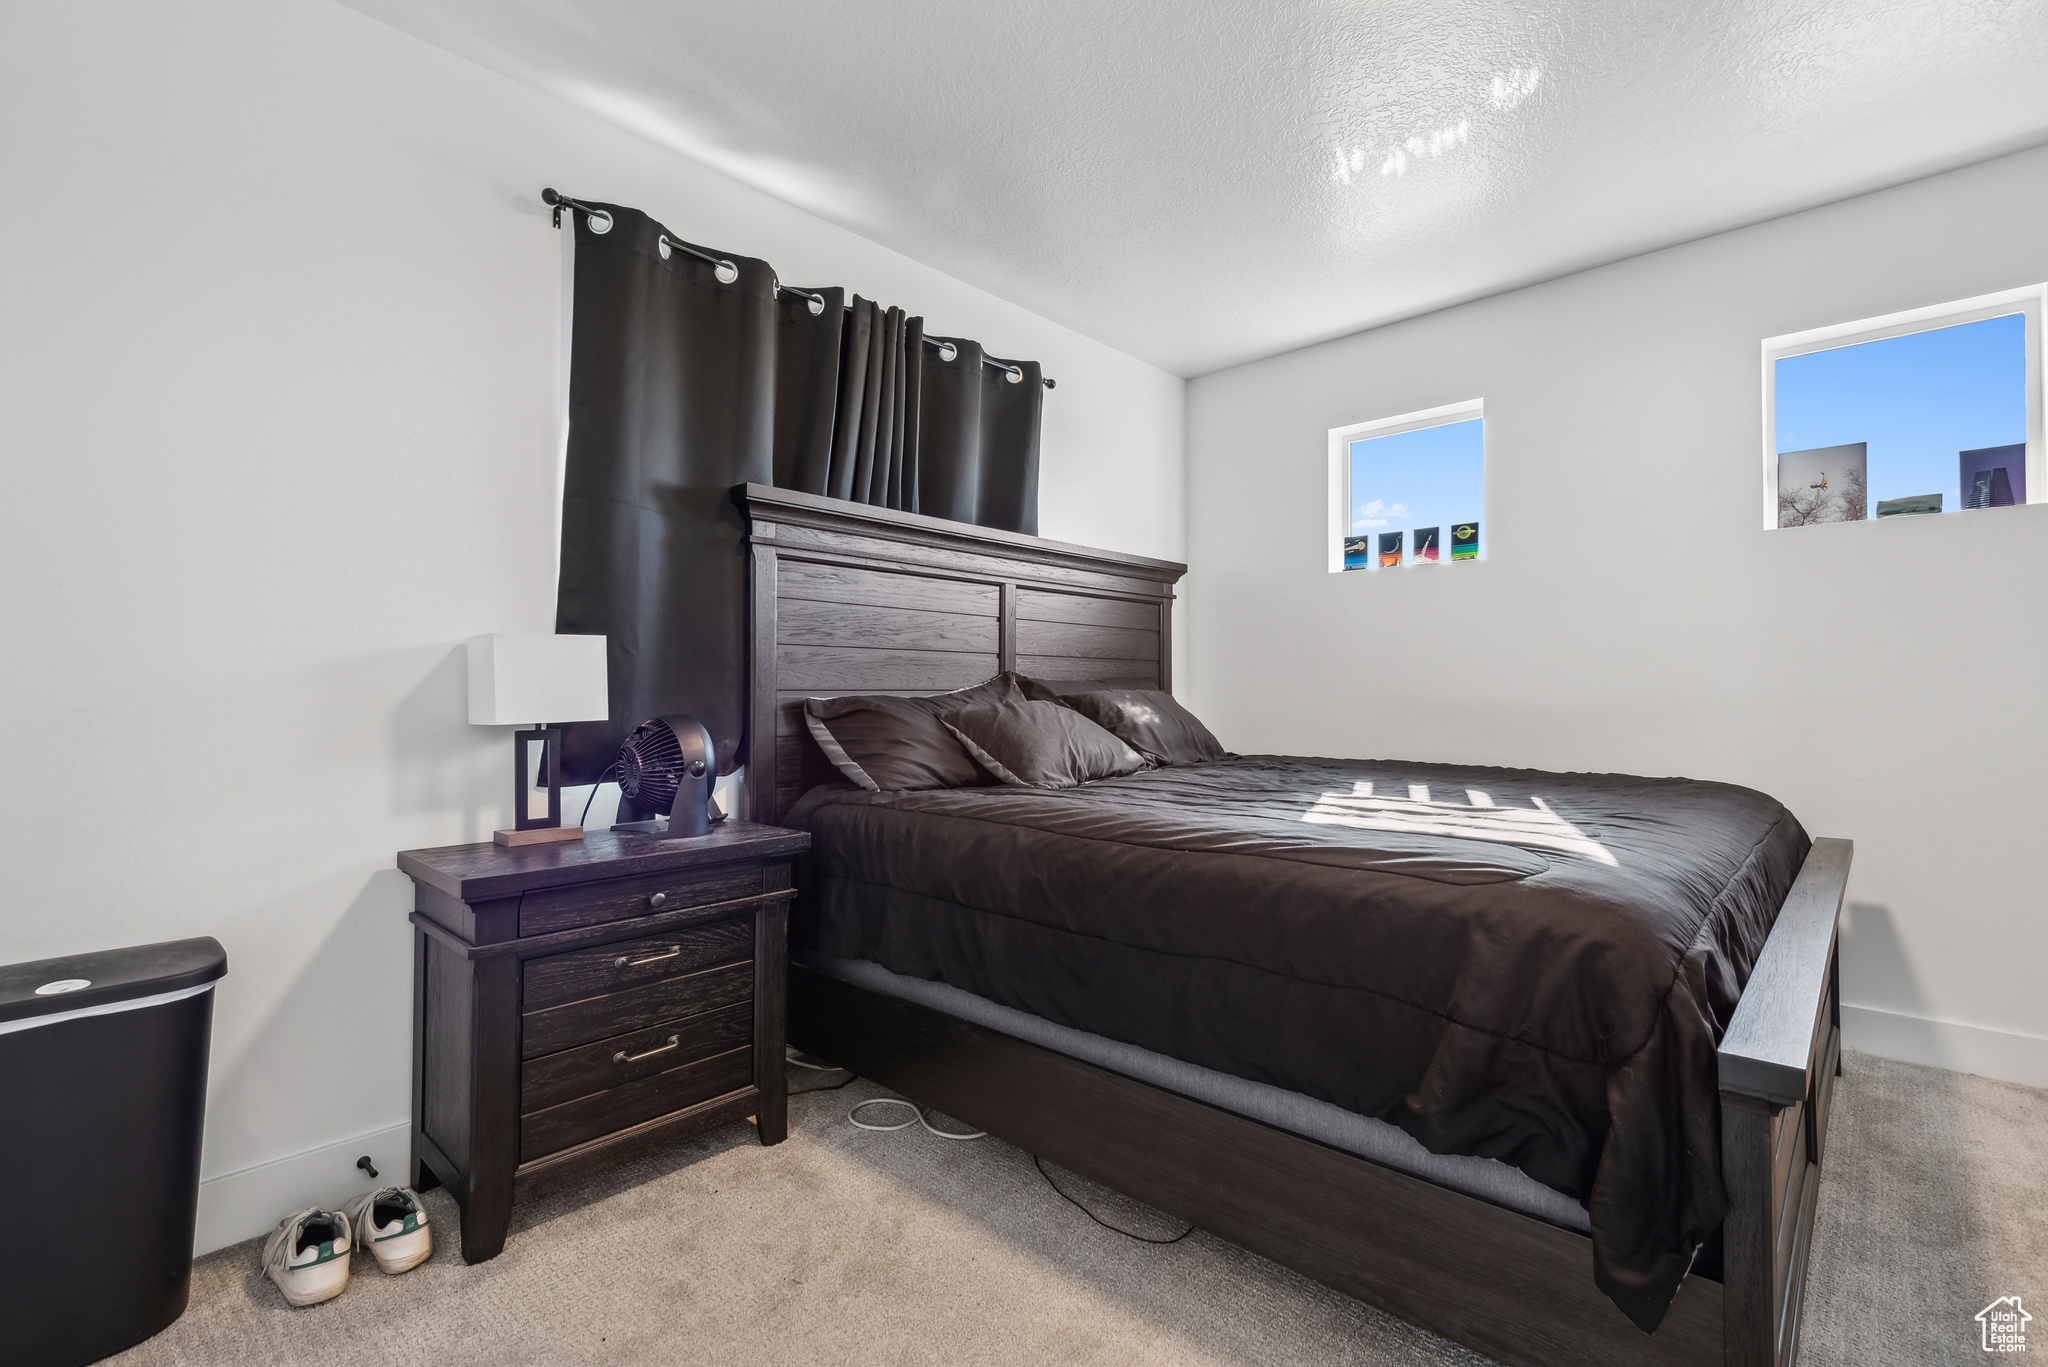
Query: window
1409 490
1936 410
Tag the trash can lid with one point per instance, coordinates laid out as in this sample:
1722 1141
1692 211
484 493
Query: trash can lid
48 986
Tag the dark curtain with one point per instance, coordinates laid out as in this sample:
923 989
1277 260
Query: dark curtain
870 409
978 449
672 400
807 342
861 442
682 386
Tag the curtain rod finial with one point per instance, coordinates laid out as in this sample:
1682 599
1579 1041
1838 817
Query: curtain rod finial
600 220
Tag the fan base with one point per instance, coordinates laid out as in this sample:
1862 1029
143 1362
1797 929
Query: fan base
659 825
537 835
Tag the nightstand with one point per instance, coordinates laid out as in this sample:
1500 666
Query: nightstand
581 1004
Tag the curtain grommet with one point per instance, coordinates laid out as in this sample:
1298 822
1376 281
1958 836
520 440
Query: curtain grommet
814 302
599 222
1014 374
948 352
725 271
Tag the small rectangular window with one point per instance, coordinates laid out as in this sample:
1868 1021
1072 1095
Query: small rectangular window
1934 410
1409 490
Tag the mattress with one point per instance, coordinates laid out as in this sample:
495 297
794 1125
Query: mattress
1506 964
1387 1145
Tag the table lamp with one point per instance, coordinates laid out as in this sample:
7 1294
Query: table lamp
537 682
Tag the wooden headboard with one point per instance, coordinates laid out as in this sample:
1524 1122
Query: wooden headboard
853 599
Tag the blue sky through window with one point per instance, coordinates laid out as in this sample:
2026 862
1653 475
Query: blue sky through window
1435 477
1918 400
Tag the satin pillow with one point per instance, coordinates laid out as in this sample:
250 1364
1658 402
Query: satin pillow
1150 722
1041 745
886 743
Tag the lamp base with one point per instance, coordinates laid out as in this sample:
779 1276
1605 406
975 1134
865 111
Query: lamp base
537 835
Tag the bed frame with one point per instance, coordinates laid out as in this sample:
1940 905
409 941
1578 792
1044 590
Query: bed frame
850 599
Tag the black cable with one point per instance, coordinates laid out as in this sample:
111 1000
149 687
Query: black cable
1036 1162
789 1053
851 1078
593 792
1097 1218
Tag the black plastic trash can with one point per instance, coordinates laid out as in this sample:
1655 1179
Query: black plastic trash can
102 1105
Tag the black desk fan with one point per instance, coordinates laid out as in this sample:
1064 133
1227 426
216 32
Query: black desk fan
669 764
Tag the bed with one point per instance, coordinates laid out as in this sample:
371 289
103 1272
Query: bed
949 939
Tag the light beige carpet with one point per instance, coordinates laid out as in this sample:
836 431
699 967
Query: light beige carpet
842 1246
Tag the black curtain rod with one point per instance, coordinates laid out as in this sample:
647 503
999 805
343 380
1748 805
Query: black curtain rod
947 352
601 223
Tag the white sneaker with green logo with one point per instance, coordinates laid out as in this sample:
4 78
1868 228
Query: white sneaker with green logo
392 1224
307 1256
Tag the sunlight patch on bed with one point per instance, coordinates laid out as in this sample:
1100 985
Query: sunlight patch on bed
1477 818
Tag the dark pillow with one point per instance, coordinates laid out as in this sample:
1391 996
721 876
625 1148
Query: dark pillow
1152 723
883 742
1056 690
1041 744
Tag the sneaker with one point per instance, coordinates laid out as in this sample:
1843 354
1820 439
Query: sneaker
392 1224
307 1256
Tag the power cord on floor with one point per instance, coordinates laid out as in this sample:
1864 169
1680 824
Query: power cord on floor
1143 1239
853 1115
845 1082
919 1115
790 1055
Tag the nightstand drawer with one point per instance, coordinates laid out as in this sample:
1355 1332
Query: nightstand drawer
589 1068
636 1008
630 963
590 904
574 1122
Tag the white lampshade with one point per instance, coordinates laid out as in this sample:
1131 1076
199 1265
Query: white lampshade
530 680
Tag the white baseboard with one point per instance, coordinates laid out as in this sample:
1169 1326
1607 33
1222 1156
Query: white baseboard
241 1205
1944 1044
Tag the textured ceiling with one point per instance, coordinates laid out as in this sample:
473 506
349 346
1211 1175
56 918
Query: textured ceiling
1200 184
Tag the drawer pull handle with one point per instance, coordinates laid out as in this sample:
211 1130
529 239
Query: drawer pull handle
628 961
623 1057
659 900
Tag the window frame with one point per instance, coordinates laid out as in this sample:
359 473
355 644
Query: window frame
1341 439
2030 301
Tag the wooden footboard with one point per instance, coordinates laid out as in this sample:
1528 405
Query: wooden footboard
1779 1061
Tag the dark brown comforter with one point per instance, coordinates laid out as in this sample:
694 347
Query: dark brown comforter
1526 966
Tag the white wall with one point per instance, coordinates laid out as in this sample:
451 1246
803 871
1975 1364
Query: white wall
1882 679
279 375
